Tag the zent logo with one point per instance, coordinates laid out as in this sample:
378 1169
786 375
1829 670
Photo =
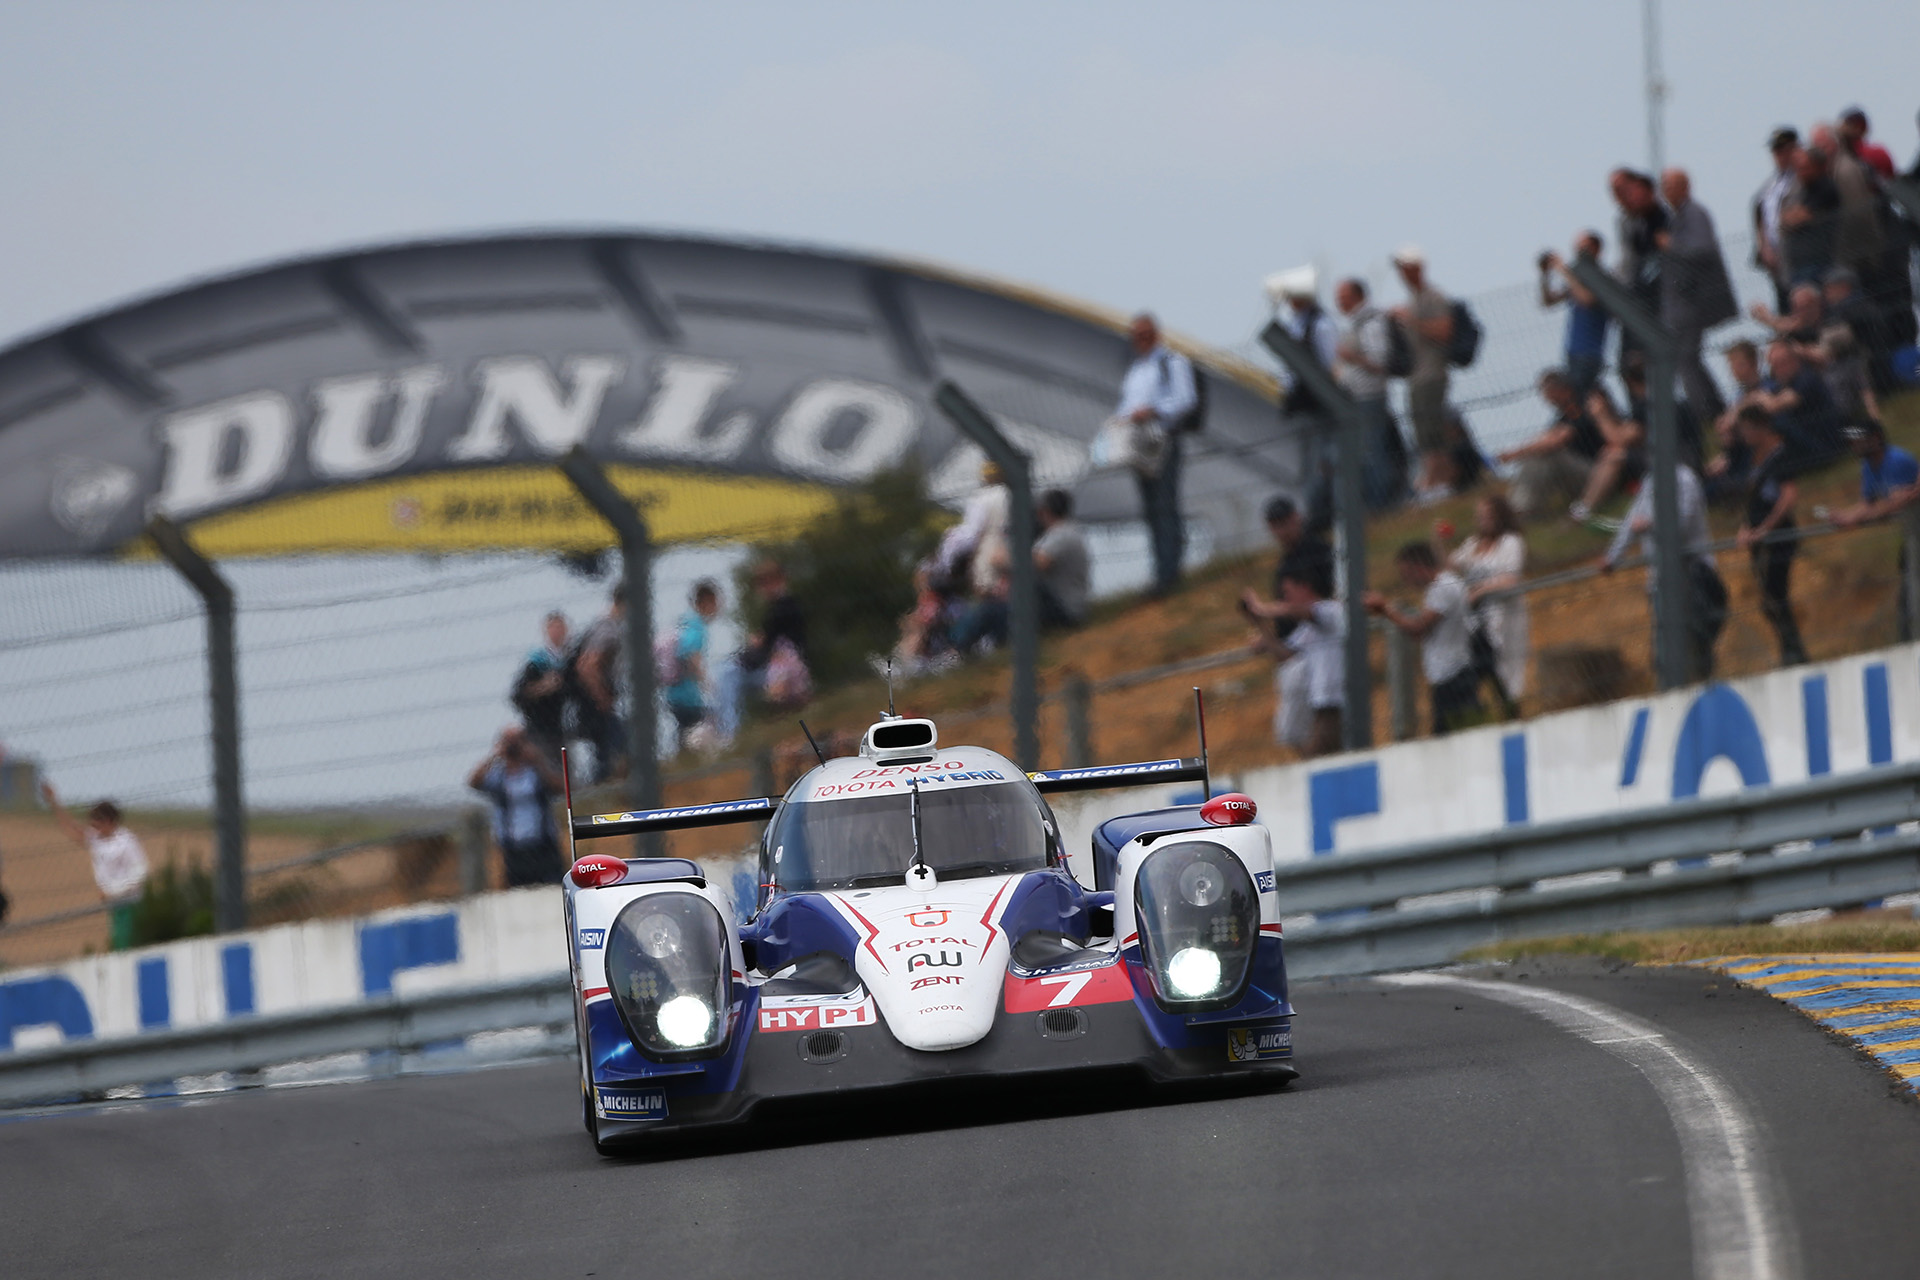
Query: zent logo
936 981
593 939
928 919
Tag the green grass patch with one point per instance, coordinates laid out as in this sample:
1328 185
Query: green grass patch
1868 931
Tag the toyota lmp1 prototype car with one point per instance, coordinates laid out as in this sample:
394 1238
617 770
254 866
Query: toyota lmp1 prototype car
917 922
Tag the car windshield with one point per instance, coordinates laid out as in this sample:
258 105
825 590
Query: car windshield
964 831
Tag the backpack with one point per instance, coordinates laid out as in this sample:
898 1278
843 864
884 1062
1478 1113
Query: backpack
1465 344
1195 418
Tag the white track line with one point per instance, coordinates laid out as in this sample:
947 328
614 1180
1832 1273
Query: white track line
1740 1231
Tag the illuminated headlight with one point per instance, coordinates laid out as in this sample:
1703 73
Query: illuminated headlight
1198 917
668 967
1193 972
684 1021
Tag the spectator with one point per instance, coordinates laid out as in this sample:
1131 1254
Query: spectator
1853 135
1726 471
1842 365
970 550
1845 305
119 861
1802 407
1587 320
595 668
1769 526
1060 555
1622 459
683 662
1806 314
1889 486
1491 562
1807 217
1553 467
1362 357
1707 593
540 691
773 663
1695 294
1769 250
522 786
1301 411
1446 653
1310 683
1641 221
1158 395
1427 319
1858 242
1302 551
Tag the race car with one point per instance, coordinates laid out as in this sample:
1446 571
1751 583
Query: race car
917 922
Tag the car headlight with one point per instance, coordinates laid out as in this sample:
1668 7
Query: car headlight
668 970
1198 917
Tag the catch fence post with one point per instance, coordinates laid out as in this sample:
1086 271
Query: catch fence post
1079 699
474 835
223 705
1672 598
1023 609
1402 662
1349 440
636 558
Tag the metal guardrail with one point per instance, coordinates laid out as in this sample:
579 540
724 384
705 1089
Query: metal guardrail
1798 846
85 1067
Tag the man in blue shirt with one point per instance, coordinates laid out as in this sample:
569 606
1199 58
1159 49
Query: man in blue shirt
1587 320
685 676
1158 393
522 785
1889 486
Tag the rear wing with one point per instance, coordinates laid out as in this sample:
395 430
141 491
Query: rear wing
717 814
1099 777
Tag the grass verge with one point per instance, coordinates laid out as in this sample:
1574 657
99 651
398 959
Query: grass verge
1868 931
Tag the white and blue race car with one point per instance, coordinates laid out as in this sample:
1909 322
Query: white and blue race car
917 922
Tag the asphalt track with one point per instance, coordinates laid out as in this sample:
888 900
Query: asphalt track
1435 1132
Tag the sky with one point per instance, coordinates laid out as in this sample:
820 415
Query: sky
1133 154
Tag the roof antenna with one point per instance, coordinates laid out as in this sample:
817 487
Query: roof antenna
1200 715
818 754
891 713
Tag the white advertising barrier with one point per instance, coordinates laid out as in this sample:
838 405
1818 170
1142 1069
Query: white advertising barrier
1787 726
494 937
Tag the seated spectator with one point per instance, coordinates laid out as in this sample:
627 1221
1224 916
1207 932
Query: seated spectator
773 663
540 691
1062 569
1060 555
1772 492
1726 472
523 786
1707 593
119 862
1805 316
1846 306
1446 654
681 662
1491 562
1802 409
926 632
1623 458
1843 367
1553 467
1587 320
1889 487
968 552
1310 684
